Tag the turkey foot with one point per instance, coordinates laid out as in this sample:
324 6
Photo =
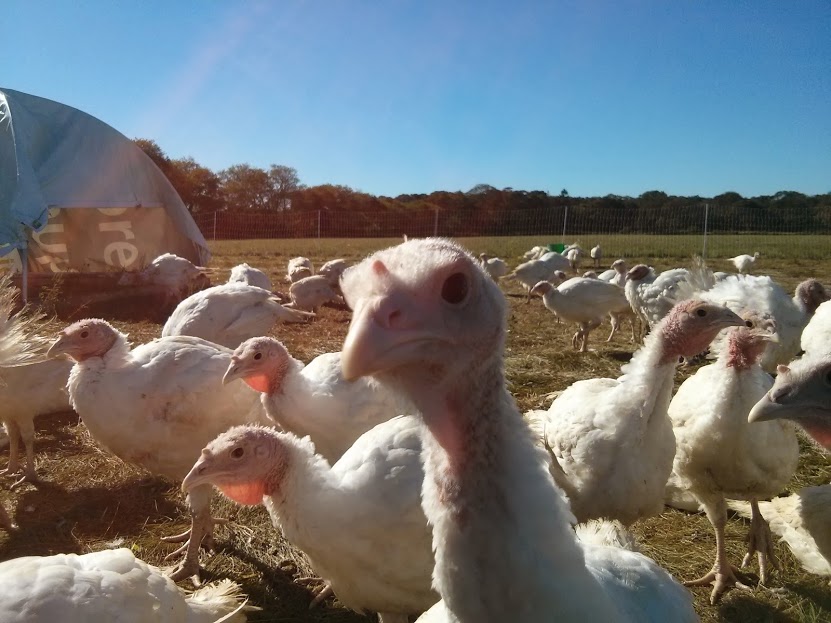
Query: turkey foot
322 594
722 579
29 476
200 535
760 542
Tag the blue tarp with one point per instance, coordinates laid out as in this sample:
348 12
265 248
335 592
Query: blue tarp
56 158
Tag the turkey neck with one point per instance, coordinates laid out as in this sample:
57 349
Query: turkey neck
286 395
650 375
501 530
301 495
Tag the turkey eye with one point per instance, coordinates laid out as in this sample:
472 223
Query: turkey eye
258 356
455 288
84 333
701 312
237 453
748 323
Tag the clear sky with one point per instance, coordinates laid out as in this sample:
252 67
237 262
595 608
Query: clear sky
692 97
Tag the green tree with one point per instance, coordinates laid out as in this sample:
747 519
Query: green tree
284 181
246 188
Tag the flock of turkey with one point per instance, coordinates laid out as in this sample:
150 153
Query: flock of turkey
407 445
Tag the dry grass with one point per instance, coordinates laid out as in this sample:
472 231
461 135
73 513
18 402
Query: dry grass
89 499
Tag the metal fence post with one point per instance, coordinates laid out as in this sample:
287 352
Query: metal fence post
318 224
214 225
706 218
436 223
565 222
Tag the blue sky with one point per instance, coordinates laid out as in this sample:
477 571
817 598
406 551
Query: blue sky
389 97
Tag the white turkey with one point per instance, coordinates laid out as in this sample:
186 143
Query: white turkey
332 270
495 267
802 389
310 293
30 385
156 405
533 253
532 272
611 440
616 274
430 321
816 336
764 296
719 455
110 585
243 273
574 255
229 314
744 263
27 391
181 276
652 295
299 268
584 301
801 393
597 255
314 400
359 520
803 521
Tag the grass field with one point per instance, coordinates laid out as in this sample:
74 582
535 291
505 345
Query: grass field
89 500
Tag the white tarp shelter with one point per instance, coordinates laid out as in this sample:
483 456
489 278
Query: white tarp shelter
77 195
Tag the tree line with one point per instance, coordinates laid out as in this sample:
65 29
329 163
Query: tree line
242 188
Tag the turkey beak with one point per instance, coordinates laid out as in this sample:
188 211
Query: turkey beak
198 473
58 347
778 402
728 318
235 370
771 407
767 331
386 332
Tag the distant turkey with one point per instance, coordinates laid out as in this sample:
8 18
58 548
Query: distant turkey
310 293
229 314
243 273
495 267
299 268
744 263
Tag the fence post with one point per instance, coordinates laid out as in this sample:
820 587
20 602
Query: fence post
214 225
436 223
318 224
565 222
706 217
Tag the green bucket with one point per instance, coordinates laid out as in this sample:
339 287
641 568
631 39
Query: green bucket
557 248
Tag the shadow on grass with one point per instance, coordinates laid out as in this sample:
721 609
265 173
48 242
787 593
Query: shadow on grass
54 520
819 595
745 608
274 588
